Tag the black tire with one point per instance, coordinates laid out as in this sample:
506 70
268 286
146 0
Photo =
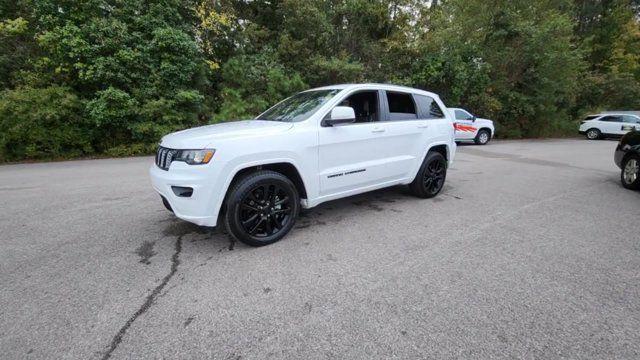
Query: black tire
261 208
630 173
166 204
593 134
431 176
482 137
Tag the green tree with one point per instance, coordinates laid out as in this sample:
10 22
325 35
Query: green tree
513 61
609 34
37 123
123 73
135 66
252 83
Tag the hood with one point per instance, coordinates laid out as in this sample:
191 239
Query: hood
201 137
484 121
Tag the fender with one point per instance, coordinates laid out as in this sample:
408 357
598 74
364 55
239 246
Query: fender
414 172
235 167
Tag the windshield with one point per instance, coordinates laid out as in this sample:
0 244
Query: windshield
298 107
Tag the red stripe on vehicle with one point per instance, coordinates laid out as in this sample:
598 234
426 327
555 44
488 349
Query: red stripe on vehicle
465 128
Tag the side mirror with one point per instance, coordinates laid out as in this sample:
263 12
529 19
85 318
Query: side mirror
340 115
473 118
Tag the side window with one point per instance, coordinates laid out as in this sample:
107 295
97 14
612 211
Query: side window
463 115
401 106
364 104
611 118
630 119
428 107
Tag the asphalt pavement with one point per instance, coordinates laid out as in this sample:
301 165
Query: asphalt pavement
532 251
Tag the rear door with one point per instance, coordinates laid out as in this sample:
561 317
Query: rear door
611 124
413 122
465 129
406 132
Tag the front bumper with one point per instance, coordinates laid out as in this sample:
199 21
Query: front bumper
199 208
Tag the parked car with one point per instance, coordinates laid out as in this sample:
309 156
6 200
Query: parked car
318 145
470 128
627 157
608 125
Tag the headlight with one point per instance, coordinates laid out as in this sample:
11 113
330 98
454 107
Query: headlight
195 157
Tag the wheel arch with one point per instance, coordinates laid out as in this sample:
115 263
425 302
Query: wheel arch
488 129
286 168
628 155
441 148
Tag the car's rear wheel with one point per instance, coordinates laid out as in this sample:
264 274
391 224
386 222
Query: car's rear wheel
482 137
261 208
593 134
431 176
630 174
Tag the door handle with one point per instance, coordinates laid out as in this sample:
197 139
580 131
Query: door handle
423 126
378 130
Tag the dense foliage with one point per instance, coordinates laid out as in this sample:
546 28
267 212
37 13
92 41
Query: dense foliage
85 77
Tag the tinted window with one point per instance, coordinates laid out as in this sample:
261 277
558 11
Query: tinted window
401 106
590 117
611 118
428 107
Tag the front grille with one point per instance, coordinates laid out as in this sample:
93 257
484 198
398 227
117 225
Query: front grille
164 157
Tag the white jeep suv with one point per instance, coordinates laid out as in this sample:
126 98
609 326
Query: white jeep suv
318 145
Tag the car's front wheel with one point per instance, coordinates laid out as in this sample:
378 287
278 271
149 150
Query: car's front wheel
261 208
630 175
430 178
593 134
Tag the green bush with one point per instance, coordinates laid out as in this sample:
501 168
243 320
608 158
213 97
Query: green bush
42 123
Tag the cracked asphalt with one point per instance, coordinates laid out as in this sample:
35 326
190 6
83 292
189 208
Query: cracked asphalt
532 251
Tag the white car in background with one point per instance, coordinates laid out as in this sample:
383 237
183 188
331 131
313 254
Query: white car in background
470 128
608 125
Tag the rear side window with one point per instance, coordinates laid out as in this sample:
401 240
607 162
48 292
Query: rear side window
428 107
630 119
401 106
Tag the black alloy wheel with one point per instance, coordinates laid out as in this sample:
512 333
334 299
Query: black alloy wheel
434 176
262 208
431 177
265 210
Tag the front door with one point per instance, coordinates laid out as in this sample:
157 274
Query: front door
369 152
465 129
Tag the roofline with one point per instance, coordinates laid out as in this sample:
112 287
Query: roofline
614 114
374 85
